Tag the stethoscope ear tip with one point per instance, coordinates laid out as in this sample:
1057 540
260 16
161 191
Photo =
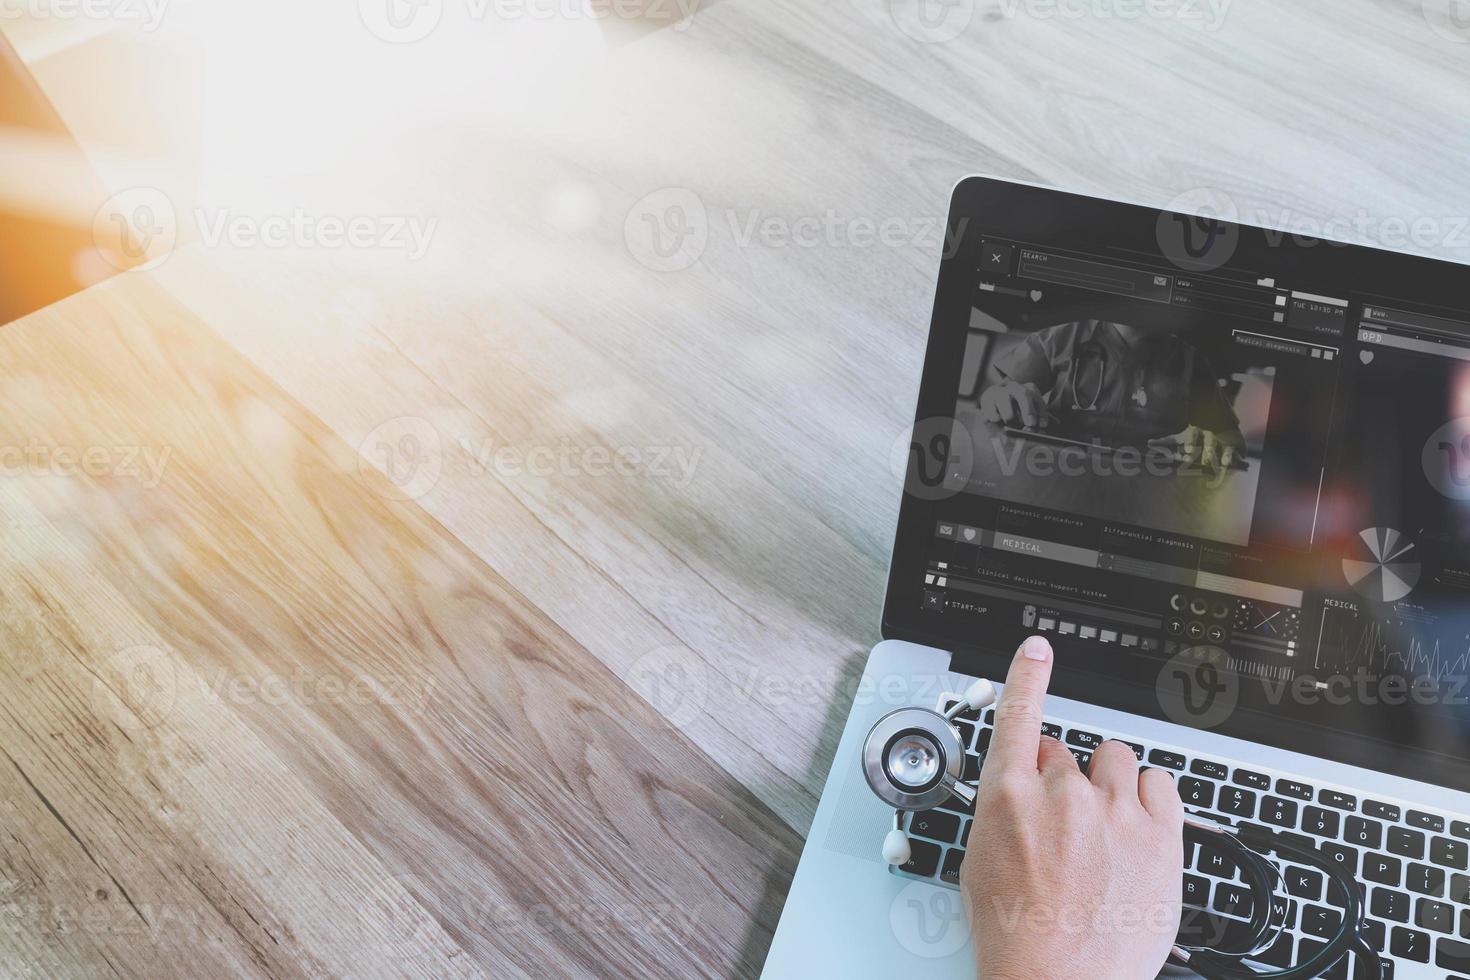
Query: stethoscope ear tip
980 694
896 848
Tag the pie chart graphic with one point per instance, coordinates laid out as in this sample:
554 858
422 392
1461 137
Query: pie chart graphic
1387 569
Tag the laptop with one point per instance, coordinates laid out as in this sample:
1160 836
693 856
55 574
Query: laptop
1288 634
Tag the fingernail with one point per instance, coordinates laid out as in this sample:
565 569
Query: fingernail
1036 648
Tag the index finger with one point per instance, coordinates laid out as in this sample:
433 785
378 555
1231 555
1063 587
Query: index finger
1018 713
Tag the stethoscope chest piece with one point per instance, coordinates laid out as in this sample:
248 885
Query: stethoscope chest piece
913 758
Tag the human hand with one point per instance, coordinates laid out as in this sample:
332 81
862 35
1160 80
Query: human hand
1010 403
1068 875
1212 450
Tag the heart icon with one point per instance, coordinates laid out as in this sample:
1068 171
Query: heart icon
1036 296
969 534
1366 356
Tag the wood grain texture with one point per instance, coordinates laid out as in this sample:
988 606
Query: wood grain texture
810 150
260 718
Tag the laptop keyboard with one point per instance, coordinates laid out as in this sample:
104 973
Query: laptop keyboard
1412 866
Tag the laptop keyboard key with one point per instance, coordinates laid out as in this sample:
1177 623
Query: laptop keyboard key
1294 789
1339 801
923 859
1196 891
1052 731
1376 933
1364 832
1210 770
1255 780
1304 883
1337 898
1460 829
1460 889
1233 899
1323 923
1283 838
1450 853
967 732
1196 792
1275 810
936 825
1283 910
1385 903
1215 862
1383 869
1279 954
1435 916
1343 856
1425 821
1425 880
950 873
1202 927
1410 944
1383 811
1323 823
1452 955
1084 740
954 804
1165 759
1237 802
1405 843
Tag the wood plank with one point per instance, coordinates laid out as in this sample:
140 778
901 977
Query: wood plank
358 698
640 568
148 830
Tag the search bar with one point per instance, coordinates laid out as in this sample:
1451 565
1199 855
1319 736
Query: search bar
1103 277
1423 322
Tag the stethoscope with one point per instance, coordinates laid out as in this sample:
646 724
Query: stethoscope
913 759
1099 354
1096 352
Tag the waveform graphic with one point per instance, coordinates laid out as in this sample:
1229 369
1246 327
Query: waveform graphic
1436 665
1350 642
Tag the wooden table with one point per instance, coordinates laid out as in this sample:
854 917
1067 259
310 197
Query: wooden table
495 610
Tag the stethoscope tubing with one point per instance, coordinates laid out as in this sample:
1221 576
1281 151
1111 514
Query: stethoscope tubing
1101 354
1253 845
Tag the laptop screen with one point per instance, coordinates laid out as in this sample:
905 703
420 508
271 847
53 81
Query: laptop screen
1226 471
